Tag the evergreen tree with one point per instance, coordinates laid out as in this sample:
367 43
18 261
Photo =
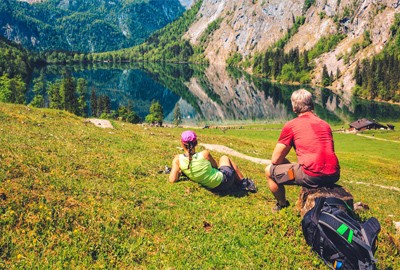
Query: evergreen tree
132 117
177 115
12 89
81 90
305 61
68 93
357 74
39 90
5 91
266 67
93 103
55 98
122 113
156 115
103 105
326 80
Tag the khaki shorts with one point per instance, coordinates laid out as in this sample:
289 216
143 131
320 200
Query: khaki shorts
293 174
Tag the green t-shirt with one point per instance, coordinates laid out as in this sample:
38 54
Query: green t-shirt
200 170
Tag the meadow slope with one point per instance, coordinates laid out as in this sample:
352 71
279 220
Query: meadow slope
76 196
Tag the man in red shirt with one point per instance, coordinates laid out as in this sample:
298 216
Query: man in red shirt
311 137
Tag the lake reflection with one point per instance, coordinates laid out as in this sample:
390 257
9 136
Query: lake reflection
214 94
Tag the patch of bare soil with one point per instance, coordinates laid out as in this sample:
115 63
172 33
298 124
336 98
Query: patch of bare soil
100 123
229 151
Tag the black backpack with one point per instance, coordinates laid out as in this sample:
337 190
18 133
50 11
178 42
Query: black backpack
340 240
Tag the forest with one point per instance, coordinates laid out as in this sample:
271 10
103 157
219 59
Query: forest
378 78
60 25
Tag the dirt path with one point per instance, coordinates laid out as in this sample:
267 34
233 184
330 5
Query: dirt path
375 138
373 185
229 151
100 123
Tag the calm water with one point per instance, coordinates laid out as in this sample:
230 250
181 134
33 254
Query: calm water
214 95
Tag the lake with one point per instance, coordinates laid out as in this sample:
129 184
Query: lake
213 94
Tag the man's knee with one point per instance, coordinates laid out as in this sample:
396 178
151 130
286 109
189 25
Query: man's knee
268 171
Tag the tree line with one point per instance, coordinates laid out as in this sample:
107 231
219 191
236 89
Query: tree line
295 66
72 95
378 78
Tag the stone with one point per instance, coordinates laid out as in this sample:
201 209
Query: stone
397 226
307 196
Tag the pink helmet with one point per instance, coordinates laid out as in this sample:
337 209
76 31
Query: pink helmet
188 136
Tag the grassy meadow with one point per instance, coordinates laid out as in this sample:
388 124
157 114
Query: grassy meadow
76 196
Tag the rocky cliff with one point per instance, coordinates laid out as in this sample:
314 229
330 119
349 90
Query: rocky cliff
250 27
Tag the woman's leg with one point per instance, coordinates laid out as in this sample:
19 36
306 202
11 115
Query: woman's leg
226 161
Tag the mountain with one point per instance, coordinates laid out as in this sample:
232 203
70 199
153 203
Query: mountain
247 28
87 26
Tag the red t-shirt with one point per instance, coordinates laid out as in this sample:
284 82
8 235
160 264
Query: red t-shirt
312 139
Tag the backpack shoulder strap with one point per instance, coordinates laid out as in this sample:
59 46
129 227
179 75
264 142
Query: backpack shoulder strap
337 226
334 224
338 202
319 203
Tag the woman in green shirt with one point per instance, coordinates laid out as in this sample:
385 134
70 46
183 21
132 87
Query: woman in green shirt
202 168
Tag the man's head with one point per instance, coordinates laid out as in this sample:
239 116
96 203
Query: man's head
302 101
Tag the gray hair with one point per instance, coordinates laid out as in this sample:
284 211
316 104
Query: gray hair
302 101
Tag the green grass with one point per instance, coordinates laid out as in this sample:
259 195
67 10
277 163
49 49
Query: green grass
76 196
385 134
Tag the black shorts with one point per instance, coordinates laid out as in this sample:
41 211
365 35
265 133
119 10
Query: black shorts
228 178
282 176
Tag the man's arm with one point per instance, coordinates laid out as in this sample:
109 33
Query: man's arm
280 152
175 170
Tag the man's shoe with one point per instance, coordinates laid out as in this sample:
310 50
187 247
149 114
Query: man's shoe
279 207
248 185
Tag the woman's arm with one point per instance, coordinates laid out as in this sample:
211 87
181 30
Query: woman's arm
208 156
175 170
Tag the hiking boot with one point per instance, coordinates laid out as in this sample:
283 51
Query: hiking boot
166 170
248 185
279 207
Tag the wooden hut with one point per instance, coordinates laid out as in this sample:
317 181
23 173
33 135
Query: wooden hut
363 124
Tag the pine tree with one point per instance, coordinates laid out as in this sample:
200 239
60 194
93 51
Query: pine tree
305 61
177 115
93 103
326 80
39 90
55 98
5 91
156 115
12 89
357 74
68 93
81 90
